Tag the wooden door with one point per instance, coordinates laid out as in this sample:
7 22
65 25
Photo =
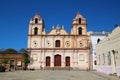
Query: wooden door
47 61
67 60
57 60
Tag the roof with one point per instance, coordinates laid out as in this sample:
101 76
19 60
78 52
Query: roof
78 15
37 15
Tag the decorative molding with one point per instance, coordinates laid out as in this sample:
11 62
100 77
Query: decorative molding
87 48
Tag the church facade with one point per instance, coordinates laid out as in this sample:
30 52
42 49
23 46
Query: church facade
58 48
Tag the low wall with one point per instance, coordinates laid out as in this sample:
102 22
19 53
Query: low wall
105 69
118 70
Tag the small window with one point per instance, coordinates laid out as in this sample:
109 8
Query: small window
35 31
80 31
79 20
36 20
57 43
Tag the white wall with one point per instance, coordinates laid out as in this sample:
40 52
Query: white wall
110 44
94 37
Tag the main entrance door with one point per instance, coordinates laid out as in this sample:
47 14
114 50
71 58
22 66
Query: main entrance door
67 60
57 60
48 61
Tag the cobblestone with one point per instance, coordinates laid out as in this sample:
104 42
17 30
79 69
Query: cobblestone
54 75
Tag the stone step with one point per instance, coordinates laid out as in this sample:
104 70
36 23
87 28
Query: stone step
58 68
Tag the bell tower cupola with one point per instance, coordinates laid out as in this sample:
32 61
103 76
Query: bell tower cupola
79 25
36 25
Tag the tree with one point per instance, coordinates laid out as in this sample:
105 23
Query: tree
26 57
1 50
26 61
10 51
23 50
4 62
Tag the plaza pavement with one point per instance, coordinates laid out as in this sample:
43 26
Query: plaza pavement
55 75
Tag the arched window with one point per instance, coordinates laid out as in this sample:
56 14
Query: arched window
57 43
80 31
98 40
79 20
36 20
35 31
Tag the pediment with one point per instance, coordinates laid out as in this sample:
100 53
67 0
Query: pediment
58 32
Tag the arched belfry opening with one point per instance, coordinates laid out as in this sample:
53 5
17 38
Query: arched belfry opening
80 31
35 31
79 20
36 20
98 40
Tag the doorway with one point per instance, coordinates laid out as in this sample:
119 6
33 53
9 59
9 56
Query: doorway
57 60
48 61
67 60
11 64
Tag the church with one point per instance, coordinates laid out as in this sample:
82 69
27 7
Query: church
58 48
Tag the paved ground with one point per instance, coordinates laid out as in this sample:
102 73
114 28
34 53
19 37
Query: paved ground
55 75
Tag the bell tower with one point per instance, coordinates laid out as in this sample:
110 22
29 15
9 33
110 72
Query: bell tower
36 25
79 25
36 29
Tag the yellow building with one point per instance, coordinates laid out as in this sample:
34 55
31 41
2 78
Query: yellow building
108 53
58 48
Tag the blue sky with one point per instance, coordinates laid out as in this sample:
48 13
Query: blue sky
15 15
